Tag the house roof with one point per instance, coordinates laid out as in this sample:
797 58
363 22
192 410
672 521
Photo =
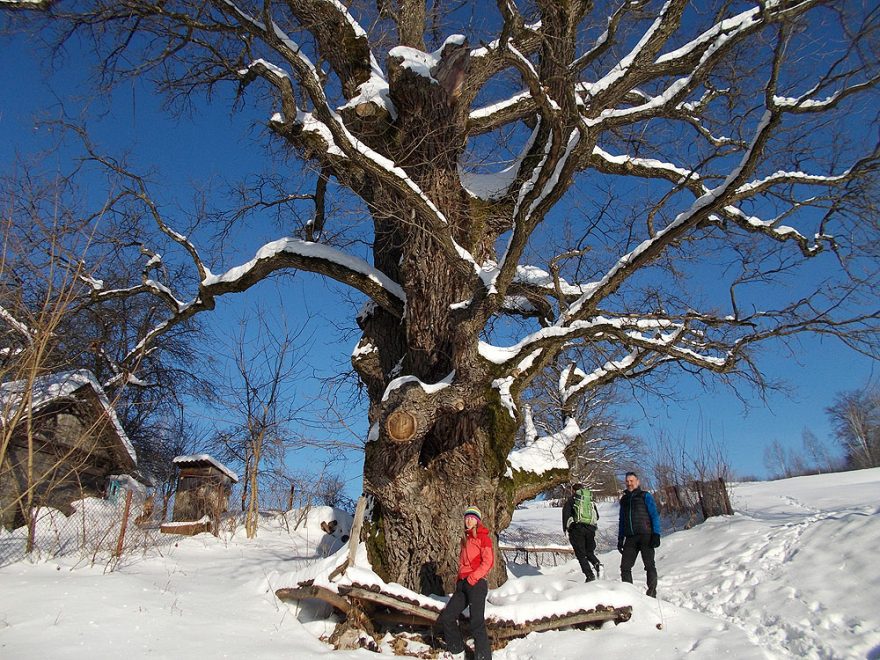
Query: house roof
202 459
55 386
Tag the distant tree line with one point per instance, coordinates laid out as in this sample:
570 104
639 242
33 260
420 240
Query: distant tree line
855 444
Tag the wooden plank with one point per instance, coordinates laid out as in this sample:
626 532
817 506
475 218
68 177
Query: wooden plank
125 513
390 601
312 591
505 629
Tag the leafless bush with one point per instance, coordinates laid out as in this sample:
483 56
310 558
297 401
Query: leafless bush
691 479
330 491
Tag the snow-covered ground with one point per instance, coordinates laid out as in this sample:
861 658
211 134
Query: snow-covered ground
793 574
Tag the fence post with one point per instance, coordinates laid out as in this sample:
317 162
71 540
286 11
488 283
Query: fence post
700 493
726 496
124 524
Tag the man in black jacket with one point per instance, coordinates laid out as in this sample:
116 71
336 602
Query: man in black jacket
579 520
639 532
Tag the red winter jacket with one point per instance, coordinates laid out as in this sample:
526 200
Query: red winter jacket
476 557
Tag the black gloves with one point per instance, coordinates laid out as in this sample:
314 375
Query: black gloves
620 545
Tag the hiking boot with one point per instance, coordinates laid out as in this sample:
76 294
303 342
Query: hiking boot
652 592
590 578
598 568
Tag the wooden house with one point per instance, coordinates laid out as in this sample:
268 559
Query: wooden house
62 439
203 488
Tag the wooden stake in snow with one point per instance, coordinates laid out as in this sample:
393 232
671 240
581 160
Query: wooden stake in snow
124 524
353 538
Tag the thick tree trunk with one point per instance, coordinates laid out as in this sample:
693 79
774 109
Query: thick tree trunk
420 492
428 460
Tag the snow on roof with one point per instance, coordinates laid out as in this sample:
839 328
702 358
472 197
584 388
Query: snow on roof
63 384
206 458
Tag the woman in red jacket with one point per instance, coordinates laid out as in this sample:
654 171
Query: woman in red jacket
474 563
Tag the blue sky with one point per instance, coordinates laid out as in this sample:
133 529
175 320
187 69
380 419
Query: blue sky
216 144
811 379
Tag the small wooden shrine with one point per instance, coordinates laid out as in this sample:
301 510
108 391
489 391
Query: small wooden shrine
202 495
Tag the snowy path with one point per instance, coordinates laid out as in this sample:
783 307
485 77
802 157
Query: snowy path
778 574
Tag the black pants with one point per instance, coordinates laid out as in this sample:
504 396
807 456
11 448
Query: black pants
583 541
632 546
474 597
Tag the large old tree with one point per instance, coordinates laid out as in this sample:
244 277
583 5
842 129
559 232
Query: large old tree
611 189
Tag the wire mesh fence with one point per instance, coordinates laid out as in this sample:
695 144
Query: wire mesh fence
520 546
99 531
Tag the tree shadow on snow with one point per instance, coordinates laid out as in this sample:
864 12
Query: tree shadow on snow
522 570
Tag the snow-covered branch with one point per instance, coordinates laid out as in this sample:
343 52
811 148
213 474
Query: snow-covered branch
22 328
681 177
289 253
33 5
574 379
804 104
634 62
700 210
490 117
544 453
596 328
694 59
605 40
488 60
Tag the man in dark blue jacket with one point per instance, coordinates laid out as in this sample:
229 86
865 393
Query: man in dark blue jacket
639 532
